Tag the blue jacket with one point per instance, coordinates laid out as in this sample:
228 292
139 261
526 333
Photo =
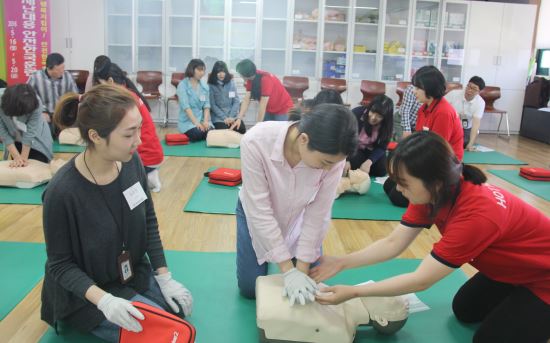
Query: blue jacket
224 101
197 101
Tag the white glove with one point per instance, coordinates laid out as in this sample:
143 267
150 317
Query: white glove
173 292
299 287
120 312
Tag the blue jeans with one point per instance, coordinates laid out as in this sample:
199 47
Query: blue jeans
110 332
275 117
248 268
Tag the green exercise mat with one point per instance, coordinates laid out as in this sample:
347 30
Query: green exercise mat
211 198
220 314
375 205
68 148
199 149
22 196
539 188
489 157
23 266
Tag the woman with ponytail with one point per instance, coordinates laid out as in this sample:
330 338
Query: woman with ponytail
150 149
504 238
102 239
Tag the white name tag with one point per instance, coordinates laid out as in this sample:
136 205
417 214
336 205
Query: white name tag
135 195
425 128
202 97
231 94
19 125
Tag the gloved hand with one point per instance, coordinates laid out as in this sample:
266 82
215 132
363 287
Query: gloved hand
173 292
120 312
299 287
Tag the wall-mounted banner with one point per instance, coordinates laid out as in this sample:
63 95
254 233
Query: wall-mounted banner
27 33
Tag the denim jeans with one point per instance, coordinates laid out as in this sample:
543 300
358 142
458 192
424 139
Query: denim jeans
275 117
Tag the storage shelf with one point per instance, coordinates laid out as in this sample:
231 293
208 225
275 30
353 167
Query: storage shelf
306 21
453 29
395 55
274 49
365 53
367 24
303 50
179 46
122 45
331 6
180 16
119 15
212 17
397 26
366 8
211 47
336 22
334 52
274 19
422 57
425 28
150 15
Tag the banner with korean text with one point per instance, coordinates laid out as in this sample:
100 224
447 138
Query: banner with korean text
27 37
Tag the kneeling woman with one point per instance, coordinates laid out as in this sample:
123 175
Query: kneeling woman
290 173
506 239
101 257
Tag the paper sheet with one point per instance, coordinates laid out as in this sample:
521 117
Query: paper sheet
414 303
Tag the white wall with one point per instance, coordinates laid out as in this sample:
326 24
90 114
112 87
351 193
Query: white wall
543 29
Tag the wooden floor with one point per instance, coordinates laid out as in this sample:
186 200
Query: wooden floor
210 233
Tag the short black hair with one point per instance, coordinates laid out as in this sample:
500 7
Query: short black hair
328 96
19 100
478 81
431 81
219 66
54 59
192 65
246 68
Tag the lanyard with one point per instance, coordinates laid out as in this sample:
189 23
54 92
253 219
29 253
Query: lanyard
120 227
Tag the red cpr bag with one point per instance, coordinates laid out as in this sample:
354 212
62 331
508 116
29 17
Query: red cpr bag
392 146
537 174
176 139
224 176
159 326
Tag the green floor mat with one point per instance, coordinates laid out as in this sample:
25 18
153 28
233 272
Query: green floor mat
67 148
21 196
539 188
220 314
375 205
23 266
199 149
489 157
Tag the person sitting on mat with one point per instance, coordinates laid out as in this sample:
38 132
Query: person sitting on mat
194 101
504 238
326 96
23 130
267 89
224 100
102 257
436 114
290 172
150 149
375 124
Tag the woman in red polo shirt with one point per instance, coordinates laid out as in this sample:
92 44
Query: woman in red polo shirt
506 239
274 100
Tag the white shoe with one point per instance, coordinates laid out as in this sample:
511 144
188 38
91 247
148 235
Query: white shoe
153 181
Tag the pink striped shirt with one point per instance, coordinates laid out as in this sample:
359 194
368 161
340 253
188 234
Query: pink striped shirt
287 209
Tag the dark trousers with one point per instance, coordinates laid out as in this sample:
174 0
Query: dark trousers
466 136
507 313
223 126
395 196
378 168
33 154
195 134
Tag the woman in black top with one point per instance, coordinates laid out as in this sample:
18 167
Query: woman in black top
102 239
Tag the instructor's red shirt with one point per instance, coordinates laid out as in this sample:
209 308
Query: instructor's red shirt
280 101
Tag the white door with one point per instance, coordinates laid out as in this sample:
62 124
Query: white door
484 32
60 42
87 32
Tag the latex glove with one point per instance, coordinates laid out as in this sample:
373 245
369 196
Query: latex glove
299 287
120 312
175 293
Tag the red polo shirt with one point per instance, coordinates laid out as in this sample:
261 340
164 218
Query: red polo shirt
280 101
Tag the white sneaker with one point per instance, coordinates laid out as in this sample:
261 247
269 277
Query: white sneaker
153 181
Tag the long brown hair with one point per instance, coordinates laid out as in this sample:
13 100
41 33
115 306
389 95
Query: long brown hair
100 109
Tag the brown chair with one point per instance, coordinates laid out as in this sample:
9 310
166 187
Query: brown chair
400 90
150 82
175 81
451 86
338 85
80 77
370 89
296 86
490 95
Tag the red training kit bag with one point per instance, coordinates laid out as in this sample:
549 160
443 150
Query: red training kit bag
538 174
224 176
176 139
159 326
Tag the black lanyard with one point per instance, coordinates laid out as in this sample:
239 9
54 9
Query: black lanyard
120 227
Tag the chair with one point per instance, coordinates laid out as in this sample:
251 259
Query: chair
296 86
175 81
80 77
400 90
338 85
150 82
451 86
370 89
490 95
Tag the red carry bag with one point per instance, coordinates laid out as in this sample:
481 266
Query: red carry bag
537 174
158 326
224 176
176 139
